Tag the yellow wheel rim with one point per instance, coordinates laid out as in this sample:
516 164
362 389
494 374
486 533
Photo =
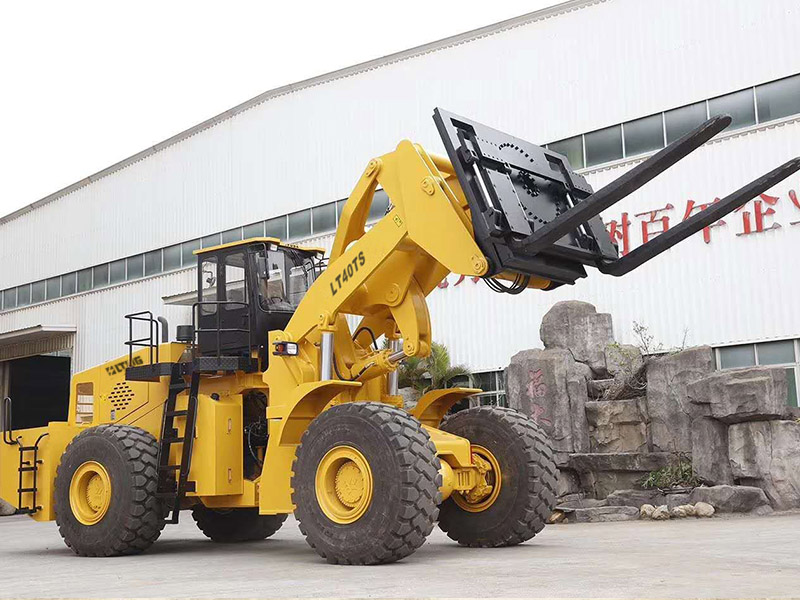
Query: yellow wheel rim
344 485
90 493
490 481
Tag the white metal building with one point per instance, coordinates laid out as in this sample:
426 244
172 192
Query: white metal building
606 82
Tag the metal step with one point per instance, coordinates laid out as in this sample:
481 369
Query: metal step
177 413
173 440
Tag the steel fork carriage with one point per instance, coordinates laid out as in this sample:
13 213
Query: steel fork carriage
534 216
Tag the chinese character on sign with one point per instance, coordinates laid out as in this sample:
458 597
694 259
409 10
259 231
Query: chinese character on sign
618 231
660 224
463 277
760 215
691 207
796 202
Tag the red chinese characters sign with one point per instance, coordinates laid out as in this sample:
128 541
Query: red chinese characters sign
758 216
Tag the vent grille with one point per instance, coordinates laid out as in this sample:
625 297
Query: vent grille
121 396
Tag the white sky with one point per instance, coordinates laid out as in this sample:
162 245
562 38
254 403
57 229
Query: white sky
85 83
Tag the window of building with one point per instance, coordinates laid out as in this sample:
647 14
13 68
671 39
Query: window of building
493 385
23 295
733 357
211 240
739 105
52 288
380 202
100 276
276 227
572 148
69 284
152 263
778 99
255 230
10 298
84 280
324 218
172 257
134 267
682 120
603 145
187 252
37 292
300 224
339 208
117 271
644 135
232 235
783 353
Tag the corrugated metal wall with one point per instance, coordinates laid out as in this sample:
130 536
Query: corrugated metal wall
599 65
602 64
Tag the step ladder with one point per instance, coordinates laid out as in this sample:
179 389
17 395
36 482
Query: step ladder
29 464
170 488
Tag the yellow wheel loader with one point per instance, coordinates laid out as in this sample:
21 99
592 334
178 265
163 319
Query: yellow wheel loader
279 397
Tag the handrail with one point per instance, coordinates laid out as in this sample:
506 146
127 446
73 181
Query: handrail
7 439
146 342
7 425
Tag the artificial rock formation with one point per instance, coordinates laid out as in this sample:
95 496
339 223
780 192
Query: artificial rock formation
739 395
766 454
550 386
579 328
6 509
710 451
615 416
619 426
671 412
730 498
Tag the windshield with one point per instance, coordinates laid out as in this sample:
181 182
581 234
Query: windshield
284 275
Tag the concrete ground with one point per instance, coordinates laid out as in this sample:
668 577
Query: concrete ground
719 557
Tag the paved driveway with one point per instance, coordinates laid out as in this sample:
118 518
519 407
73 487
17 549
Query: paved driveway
733 557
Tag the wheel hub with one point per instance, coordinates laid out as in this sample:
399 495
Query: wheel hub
486 491
344 484
90 493
349 484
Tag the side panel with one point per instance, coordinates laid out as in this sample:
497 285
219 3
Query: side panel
217 466
51 447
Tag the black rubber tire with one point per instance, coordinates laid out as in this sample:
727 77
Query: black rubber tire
236 524
135 516
406 481
528 490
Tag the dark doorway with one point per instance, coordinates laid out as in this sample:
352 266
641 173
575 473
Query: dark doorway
39 389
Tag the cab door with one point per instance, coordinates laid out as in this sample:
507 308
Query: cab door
224 312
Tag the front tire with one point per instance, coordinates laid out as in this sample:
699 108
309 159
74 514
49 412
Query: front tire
105 492
526 490
236 524
366 484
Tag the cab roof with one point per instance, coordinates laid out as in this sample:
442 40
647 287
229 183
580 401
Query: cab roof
271 240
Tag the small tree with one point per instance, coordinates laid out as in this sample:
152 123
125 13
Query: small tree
432 372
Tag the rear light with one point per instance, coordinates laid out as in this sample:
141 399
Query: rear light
285 348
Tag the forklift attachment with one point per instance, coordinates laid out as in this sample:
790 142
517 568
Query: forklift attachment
534 216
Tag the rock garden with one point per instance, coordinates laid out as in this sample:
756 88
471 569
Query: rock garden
654 435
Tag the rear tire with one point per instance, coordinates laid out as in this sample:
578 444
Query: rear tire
380 463
527 492
118 465
236 524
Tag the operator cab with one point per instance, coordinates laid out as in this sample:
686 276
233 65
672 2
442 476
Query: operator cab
246 289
